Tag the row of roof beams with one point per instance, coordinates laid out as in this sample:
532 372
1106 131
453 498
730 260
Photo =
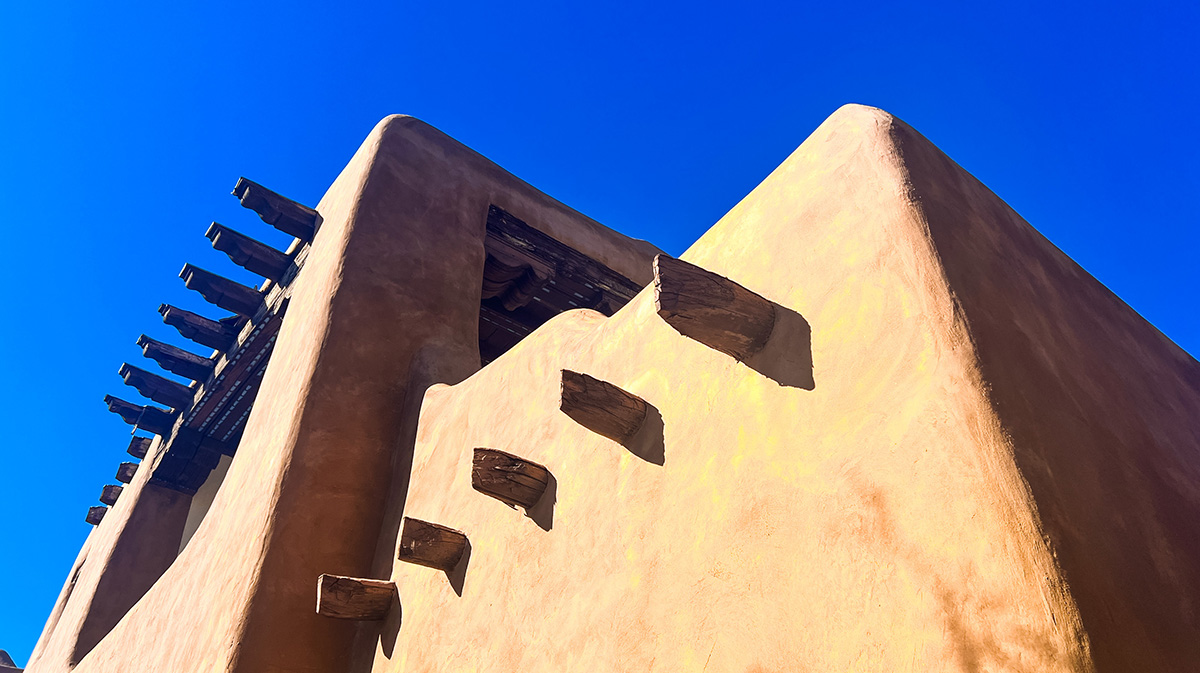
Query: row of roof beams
225 382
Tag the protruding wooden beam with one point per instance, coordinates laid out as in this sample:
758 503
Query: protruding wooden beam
161 390
219 335
601 407
148 418
354 597
110 493
95 515
431 545
139 446
177 360
508 478
278 211
221 291
125 472
711 309
251 255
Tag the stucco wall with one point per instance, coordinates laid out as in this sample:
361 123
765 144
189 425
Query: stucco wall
386 304
875 522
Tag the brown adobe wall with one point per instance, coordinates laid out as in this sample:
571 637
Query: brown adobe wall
386 304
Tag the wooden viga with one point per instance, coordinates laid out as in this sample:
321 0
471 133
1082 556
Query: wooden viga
95 515
139 446
110 493
355 597
125 472
508 478
431 545
711 309
601 406
278 211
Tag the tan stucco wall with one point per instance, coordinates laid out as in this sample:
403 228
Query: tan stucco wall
925 506
386 304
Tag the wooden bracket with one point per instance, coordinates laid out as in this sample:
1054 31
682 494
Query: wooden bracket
278 211
148 418
508 478
251 255
431 545
601 406
161 390
177 360
354 598
139 446
110 493
222 292
211 333
95 515
126 471
711 309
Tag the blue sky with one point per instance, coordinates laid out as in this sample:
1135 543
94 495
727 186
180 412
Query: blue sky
127 124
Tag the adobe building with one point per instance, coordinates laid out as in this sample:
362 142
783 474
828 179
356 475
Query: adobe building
870 421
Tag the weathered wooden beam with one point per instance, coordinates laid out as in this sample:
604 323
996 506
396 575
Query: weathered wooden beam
221 291
251 255
278 211
354 597
148 418
177 360
431 545
161 390
139 446
508 478
218 335
711 309
125 472
601 406
110 493
95 515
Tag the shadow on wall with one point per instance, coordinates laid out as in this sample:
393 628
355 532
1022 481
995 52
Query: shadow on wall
787 356
458 576
543 512
648 442
965 608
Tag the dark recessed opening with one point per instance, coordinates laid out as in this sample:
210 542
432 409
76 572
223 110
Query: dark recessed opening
529 278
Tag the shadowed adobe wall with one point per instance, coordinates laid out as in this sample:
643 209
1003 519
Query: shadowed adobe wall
386 304
123 556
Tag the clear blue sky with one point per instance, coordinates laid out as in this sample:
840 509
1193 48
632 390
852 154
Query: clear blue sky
125 126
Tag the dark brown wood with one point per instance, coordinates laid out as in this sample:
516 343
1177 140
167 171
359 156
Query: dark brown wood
222 292
510 239
354 597
219 335
711 309
508 478
139 446
151 419
95 515
177 360
278 211
125 472
431 545
157 388
601 406
110 493
252 255
529 277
